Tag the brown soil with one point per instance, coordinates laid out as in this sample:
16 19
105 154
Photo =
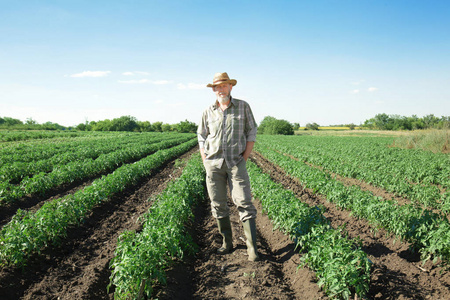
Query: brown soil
79 268
212 276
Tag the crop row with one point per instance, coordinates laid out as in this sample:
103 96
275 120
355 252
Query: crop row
340 265
60 154
42 182
17 135
33 151
28 233
142 257
428 232
415 174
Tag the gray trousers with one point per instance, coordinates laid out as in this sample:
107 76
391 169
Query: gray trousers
238 181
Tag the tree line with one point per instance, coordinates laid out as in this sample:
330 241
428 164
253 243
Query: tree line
396 122
124 123
269 125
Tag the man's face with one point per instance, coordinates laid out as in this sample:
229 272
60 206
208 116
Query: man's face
222 92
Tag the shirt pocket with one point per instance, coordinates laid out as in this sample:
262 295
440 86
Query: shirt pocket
236 124
214 126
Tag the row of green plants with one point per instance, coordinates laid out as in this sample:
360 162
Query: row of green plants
428 232
26 160
42 182
29 233
21 135
341 267
141 258
421 176
41 149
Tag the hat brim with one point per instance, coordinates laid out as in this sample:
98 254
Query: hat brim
232 81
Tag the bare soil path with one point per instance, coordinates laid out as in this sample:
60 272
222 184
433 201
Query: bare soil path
212 276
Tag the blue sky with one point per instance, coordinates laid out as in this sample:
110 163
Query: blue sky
329 62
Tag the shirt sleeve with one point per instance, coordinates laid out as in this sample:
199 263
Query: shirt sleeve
250 127
202 131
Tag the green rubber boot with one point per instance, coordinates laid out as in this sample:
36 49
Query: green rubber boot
224 225
250 234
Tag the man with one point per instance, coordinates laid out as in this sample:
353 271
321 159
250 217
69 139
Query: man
226 135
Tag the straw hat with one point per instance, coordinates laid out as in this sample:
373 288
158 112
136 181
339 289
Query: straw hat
220 78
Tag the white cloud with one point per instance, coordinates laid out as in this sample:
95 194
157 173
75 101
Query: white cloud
372 89
190 86
140 81
354 92
135 73
91 74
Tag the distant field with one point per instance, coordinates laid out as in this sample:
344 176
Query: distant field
331 128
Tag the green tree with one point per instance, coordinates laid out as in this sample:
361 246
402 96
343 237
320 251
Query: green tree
186 126
104 125
312 126
157 126
30 121
11 121
166 127
124 123
271 125
144 126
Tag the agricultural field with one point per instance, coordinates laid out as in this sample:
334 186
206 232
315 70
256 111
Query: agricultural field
126 215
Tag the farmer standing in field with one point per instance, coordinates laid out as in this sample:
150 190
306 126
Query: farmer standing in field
226 135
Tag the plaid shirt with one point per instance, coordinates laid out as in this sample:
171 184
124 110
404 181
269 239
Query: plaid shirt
223 135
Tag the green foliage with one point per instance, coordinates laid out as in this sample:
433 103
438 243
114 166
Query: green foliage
10 121
123 123
29 233
157 126
397 122
408 173
312 126
141 258
36 170
272 126
340 265
186 126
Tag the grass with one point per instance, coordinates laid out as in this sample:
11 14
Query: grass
433 140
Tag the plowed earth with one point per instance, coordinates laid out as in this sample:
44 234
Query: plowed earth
79 268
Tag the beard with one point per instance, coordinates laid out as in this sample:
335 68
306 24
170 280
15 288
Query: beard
223 99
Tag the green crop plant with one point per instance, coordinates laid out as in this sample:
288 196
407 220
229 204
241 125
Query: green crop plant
29 233
141 258
341 266
425 230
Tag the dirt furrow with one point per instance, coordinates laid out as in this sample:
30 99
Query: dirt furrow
79 268
208 275
398 273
